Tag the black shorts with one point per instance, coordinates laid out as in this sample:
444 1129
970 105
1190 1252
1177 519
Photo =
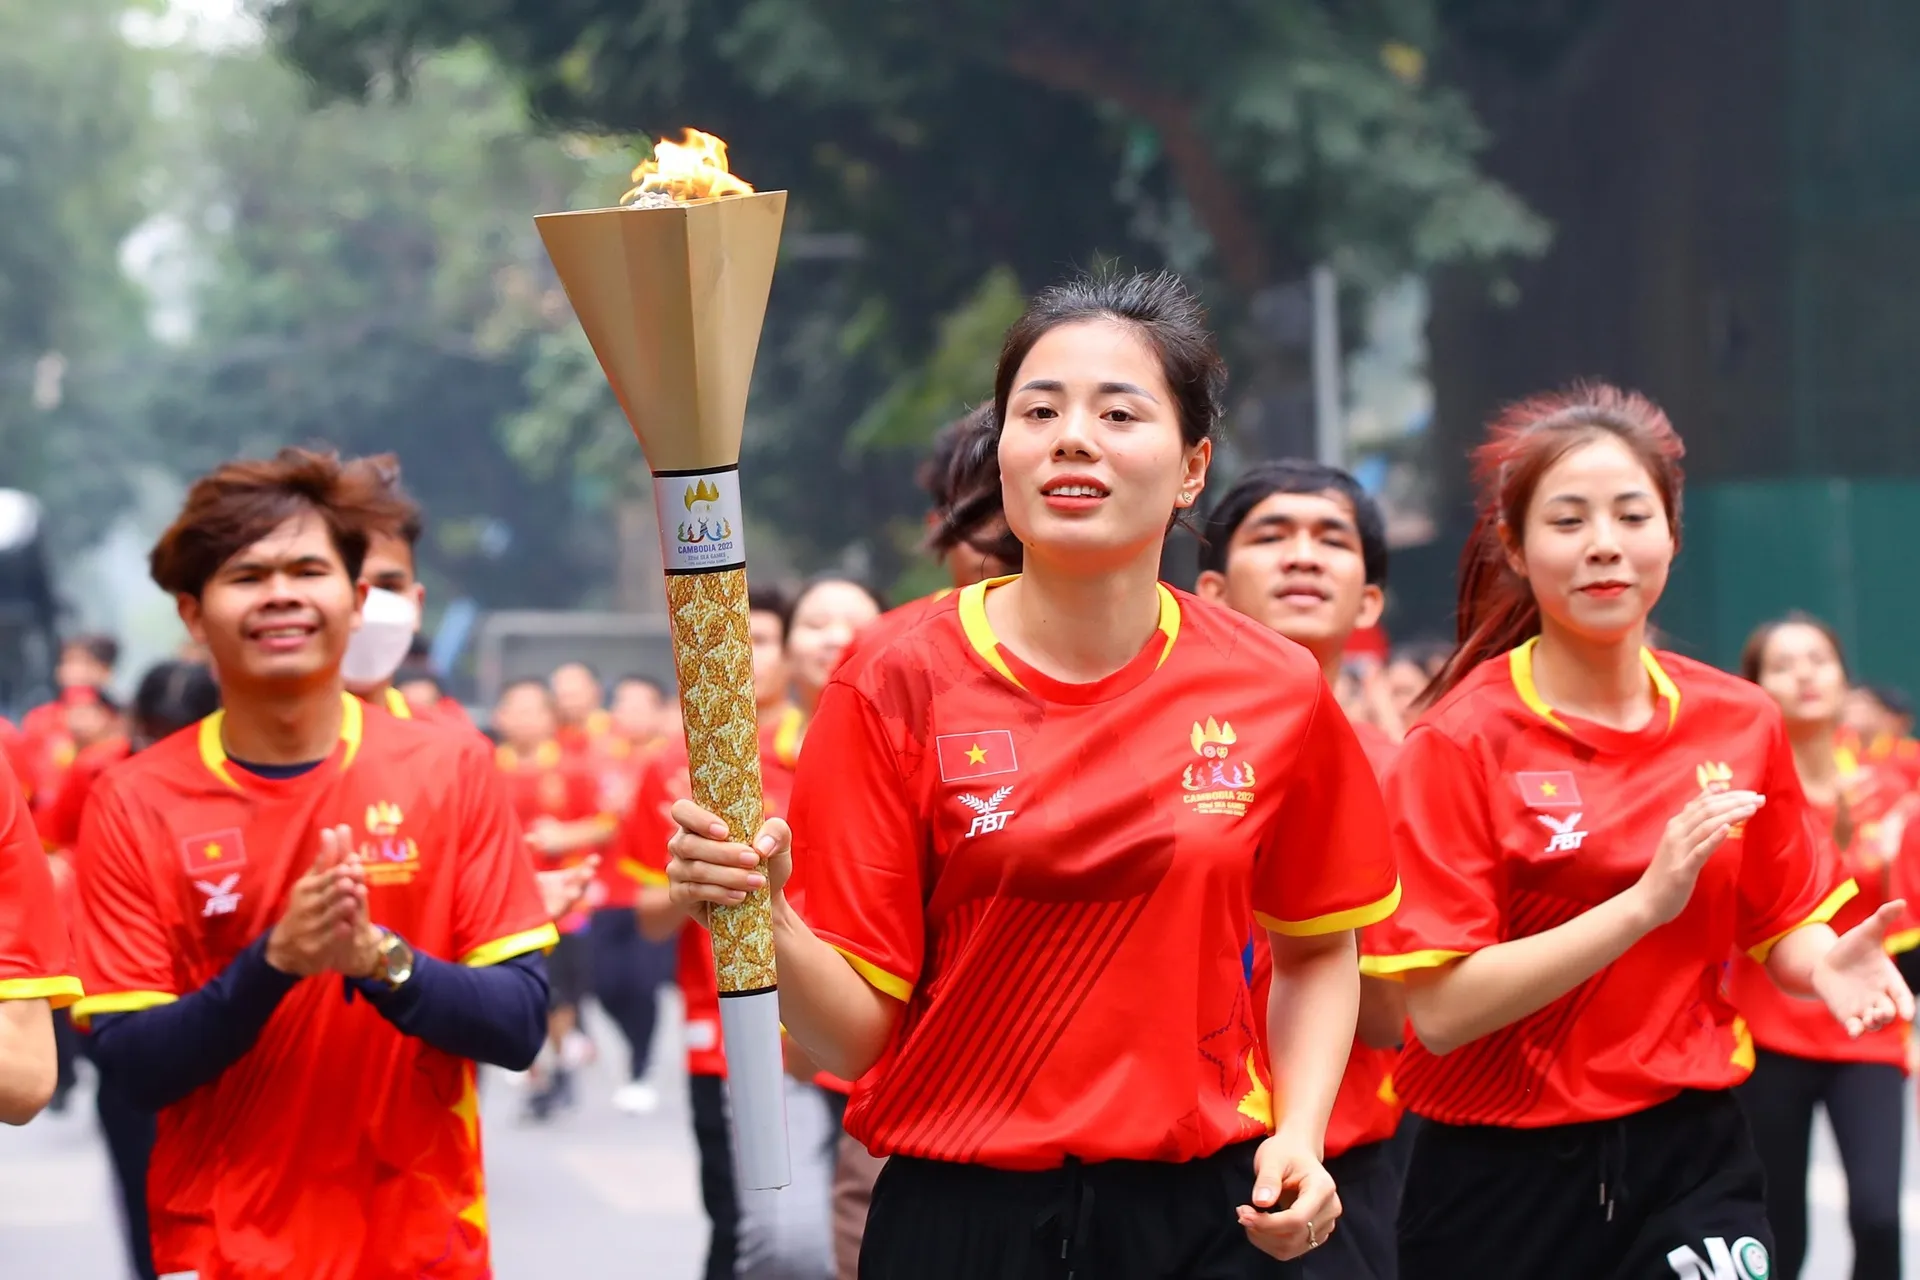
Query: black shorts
1364 1245
1116 1220
569 971
1673 1191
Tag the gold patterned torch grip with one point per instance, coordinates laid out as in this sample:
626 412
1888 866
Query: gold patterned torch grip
713 657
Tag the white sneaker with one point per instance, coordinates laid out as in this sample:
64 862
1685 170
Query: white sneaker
636 1098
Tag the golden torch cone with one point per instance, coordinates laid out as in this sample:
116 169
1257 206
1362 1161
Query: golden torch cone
672 294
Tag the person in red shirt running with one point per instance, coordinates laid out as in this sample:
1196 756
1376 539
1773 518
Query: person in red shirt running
36 961
86 664
578 701
1061 791
100 741
304 922
1301 548
556 799
1802 1058
1587 829
640 851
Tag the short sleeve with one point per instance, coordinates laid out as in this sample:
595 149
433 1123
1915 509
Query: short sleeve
498 913
1781 888
640 844
859 844
1447 855
36 958
1324 864
126 962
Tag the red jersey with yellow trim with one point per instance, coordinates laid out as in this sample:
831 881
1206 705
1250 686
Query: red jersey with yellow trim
894 622
618 766
641 851
336 1148
48 748
1366 1108
1510 818
549 786
1059 880
1778 1022
36 958
60 820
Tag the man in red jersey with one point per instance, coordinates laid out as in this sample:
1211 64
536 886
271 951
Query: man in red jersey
36 962
578 701
86 664
557 801
1301 548
755 1233
305 922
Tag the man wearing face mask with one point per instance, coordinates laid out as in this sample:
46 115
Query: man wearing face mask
390 621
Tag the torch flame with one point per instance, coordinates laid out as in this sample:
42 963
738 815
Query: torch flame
694 168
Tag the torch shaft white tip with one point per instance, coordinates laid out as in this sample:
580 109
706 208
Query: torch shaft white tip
750 1025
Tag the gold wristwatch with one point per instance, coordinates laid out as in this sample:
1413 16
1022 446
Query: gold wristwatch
395 963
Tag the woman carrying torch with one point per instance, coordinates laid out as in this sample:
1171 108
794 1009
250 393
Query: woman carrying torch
1031 830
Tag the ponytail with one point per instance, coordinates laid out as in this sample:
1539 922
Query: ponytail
1495 612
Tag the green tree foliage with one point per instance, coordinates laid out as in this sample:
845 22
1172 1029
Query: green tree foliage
368 275
72 124
960 146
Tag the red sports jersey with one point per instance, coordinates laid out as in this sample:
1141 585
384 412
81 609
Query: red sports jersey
1019 860
1366 1108
549 786
36 959
1780 1023
641 848
336 1148
1511 818
585 738
60 820
48 750
900 619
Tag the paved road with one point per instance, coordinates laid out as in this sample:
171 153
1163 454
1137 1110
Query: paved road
592 1194
595 1195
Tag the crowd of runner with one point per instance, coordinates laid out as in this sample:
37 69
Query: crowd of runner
1122 931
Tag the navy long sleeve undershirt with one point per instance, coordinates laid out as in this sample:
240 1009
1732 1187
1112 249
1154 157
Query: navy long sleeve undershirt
495 1014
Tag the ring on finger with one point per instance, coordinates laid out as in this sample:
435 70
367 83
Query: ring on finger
1313 1239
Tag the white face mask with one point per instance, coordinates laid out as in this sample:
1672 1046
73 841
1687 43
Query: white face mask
374 652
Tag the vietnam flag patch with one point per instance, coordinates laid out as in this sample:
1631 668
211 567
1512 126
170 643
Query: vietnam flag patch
964 756
1548 790
215 851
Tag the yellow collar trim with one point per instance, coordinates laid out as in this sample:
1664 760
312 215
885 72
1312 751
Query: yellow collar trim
213 751
1520 668
545 756
397 705
786 735
979 632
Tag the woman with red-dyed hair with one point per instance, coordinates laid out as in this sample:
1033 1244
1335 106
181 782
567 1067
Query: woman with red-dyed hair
1586 830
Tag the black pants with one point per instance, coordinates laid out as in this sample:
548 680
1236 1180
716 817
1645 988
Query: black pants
1866 1105
1673 1191
1364 1245
627 973
129 1132
1117 1220
708 1097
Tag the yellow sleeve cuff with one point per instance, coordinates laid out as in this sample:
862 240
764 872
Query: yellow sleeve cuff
1394 968
882 981
117 1002
641 873
1334 922
58 991
514 944
1821 914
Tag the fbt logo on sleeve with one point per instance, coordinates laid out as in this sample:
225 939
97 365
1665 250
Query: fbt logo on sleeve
1745 1259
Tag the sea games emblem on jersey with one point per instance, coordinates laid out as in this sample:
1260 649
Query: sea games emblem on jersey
389 857
1217 784
1715 777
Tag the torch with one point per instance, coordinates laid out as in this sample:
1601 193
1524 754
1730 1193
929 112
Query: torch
671 288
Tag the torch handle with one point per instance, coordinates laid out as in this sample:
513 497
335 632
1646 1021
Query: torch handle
713 656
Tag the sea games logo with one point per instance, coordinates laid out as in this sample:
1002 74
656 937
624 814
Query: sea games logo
1217 784
700 521
389 856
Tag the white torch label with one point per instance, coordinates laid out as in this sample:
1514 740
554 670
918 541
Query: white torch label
701 529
